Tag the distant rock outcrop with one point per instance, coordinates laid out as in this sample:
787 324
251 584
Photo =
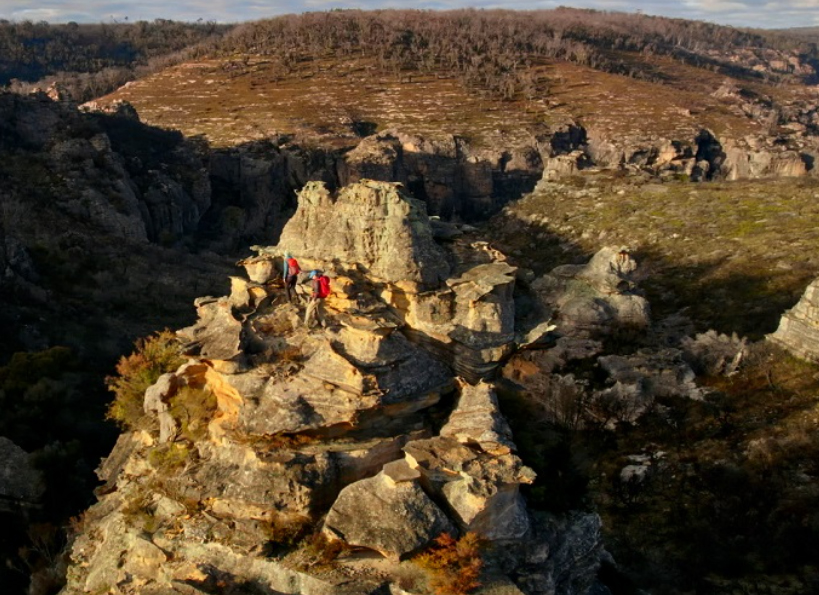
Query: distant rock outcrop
454 179
702 156
596 298
798 330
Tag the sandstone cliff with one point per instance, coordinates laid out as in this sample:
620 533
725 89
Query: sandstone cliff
361 429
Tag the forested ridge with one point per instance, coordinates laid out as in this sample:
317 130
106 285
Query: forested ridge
492 47
491 51
91 60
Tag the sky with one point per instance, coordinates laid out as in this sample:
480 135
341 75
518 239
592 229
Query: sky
738 13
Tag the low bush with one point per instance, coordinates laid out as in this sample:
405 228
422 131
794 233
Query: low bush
154 356
318 552
193 408
453 566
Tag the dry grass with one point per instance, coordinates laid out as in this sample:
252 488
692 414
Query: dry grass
732 500
249 98
230 103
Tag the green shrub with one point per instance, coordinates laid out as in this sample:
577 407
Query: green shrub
193 408
154 356
40 393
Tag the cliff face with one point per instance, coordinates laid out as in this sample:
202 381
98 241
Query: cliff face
97 209
454 179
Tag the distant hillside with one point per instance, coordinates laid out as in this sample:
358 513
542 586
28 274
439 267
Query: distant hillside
493 47
346 74
810 34
90 60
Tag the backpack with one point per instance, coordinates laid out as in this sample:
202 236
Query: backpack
323 286
293 266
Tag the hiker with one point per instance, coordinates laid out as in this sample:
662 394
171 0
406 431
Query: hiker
290 274
320 285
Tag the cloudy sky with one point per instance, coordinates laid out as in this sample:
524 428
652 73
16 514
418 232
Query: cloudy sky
739 13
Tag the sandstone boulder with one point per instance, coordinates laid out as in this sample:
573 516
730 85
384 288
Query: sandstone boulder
594 299
477 420
217 334
481 490
470 325
156 402
392 518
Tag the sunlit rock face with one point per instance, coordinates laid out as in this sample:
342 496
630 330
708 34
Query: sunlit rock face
374 432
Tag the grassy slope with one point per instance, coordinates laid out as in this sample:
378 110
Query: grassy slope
232 101
735 253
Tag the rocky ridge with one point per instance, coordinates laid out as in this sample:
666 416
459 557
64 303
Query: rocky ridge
382 430
359 428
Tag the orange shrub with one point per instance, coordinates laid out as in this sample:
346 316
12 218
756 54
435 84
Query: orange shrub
154 356
453 565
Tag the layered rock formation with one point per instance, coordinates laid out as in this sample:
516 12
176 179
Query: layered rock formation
589 305
457 303
703 155
361 431
798 330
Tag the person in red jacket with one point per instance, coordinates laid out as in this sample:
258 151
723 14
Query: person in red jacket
320 285
290 274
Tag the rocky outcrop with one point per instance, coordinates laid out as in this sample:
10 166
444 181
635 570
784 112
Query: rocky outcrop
750 158
455 180
481 490
574 383
373 226
798 330
477 420
271 428
463 314
394 518
596 298
714 354
637 381
702 156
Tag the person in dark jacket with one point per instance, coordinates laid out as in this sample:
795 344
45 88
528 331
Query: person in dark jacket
320 286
